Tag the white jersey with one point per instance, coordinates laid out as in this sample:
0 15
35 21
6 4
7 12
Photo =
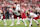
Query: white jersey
18 7
32 14
16 12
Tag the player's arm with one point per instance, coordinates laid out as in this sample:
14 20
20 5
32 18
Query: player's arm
20 12
1 12
33 10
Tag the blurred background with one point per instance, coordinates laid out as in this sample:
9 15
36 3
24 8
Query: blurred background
6 4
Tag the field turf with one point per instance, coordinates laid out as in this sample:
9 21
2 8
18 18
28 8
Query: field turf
21 23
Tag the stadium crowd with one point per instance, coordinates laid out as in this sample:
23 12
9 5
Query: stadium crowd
6 4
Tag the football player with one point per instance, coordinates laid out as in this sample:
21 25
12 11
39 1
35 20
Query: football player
3 16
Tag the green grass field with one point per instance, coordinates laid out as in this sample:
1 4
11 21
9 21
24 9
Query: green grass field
15 21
